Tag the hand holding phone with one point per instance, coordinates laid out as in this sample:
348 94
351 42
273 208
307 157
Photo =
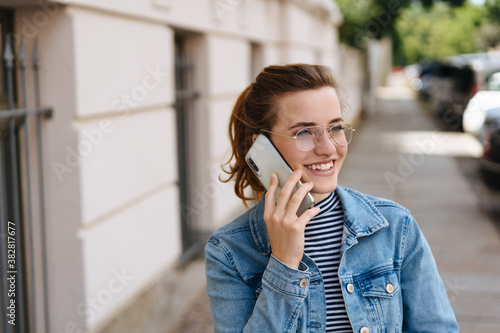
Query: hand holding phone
264 160
287 201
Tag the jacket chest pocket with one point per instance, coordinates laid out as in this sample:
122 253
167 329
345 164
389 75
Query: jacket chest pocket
381 294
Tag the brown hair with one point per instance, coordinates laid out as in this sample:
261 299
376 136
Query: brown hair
256 109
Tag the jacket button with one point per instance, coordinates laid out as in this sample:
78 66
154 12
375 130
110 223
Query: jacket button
364 330
350 288
303 283
389 288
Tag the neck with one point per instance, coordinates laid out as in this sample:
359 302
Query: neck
319 196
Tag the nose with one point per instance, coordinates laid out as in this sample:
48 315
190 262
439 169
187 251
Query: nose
325 145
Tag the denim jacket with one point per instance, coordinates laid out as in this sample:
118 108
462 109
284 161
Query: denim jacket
389 279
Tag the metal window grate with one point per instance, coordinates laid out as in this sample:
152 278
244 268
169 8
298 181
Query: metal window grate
186 95
16 220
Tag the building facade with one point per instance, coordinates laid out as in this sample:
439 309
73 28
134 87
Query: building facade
140 93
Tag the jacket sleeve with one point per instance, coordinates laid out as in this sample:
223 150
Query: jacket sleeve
235 305
426 307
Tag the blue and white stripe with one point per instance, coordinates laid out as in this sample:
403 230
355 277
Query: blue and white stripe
323 239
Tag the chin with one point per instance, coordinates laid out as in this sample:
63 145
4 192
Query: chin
324 189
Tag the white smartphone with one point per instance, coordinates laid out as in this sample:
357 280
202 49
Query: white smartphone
264 160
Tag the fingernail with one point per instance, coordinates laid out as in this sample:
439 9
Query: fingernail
273 177
297 172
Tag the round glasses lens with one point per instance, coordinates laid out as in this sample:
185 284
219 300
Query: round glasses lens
348 133
341 134
338 135
305 139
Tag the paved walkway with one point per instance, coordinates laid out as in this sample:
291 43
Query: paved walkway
399 153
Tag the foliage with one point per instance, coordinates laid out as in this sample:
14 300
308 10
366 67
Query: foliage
456 3
492 8
488 35
439 31
365 19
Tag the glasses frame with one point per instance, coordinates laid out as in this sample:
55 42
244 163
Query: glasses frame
318 138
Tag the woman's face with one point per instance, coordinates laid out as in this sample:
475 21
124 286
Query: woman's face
318 107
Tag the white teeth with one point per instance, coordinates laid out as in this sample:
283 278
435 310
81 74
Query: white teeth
322 167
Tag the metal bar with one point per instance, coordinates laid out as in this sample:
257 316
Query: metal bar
9 60
47 112
22 60
182 144
36 68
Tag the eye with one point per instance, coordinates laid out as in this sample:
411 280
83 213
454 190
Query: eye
336 128
305 132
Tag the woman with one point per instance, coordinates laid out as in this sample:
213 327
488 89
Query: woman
353 263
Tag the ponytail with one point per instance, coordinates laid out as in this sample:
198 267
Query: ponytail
241 131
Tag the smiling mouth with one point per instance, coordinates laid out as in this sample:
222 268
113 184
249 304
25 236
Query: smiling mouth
322 167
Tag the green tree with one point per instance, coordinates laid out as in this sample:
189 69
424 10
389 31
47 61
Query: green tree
439 31
492 11
364 19
488 35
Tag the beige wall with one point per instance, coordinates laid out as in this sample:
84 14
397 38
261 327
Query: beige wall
352 74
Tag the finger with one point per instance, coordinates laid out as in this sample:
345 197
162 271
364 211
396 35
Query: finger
297 198
307 215
270 198
287 189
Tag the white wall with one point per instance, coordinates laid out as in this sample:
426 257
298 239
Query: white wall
110 156
379 64
352 76
228 67
128 179
118 68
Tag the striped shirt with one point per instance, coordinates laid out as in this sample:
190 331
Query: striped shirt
323 239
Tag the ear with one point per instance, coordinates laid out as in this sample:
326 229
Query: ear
254 137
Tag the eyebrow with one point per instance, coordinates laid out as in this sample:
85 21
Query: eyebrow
309 124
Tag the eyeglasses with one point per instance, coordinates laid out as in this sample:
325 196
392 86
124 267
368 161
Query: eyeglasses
307 138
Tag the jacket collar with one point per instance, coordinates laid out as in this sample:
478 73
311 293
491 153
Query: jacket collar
361 218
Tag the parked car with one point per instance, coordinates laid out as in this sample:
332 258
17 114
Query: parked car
489 136
486 100
448 84
431 76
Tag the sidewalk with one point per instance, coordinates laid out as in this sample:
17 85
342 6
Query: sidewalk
400 154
